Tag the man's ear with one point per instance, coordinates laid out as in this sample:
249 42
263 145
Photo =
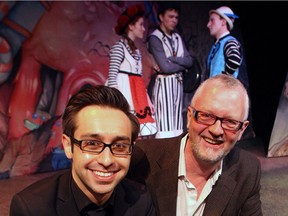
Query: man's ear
67 146
245 125
161 17
224 22
189 116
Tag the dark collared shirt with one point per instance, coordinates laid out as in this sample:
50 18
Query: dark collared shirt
88 208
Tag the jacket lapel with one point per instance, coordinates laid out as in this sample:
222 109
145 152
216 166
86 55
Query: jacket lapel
222 191
165 180
123 207
65 203
218 199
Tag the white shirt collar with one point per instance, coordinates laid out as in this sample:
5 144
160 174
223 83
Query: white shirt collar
182 166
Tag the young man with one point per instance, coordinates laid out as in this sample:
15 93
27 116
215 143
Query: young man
172 59
98 136
225 55
202 172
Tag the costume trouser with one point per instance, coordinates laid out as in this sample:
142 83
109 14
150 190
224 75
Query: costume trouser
167 99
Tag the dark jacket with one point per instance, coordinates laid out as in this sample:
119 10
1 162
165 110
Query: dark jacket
52 196
237 191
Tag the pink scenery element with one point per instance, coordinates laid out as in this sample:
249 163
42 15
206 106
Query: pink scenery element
72 38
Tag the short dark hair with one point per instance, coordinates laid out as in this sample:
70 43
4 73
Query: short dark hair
164 6
99 95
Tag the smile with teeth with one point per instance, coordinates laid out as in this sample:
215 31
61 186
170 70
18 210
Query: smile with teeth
103 174
212 141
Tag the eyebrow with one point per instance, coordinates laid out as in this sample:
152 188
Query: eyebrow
101 137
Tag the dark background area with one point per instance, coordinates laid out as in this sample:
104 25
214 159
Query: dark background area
263 25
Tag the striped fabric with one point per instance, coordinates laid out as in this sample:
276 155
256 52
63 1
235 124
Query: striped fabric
168 95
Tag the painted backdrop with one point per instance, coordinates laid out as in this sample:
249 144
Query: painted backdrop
48 51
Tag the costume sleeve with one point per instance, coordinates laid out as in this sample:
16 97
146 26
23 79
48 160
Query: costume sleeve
185 61
165 65
233 56
116 58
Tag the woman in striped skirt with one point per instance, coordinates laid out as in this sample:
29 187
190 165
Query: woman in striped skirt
125 70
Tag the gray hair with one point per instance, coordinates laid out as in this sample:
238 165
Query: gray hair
227 81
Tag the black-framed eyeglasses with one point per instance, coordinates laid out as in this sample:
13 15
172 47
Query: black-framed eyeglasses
210 119
96 146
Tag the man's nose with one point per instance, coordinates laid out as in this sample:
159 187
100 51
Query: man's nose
216 128
106 157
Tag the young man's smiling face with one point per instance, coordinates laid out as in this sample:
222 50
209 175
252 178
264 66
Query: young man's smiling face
97 174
